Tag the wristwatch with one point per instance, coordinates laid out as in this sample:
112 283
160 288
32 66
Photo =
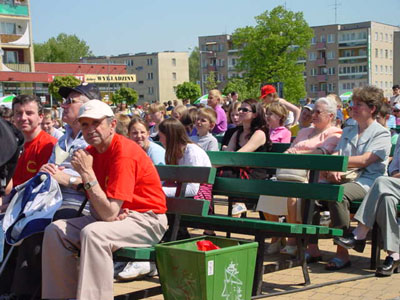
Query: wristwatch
71 181
89 185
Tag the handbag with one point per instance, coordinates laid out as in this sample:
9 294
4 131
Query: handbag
297 175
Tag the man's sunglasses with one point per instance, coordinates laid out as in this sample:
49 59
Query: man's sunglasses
70 101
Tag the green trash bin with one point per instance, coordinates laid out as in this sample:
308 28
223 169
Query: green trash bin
225 273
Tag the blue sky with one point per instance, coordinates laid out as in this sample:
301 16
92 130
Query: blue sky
131 26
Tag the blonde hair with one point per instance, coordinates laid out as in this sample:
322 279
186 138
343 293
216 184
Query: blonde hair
208 113
156 107
180 109
122 124
279 110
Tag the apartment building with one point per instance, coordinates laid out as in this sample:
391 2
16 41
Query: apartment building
157 74
16 36
217 55
342 57
396 58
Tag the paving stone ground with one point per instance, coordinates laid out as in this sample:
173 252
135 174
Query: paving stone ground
292 279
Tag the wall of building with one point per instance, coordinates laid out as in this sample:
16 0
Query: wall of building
396 58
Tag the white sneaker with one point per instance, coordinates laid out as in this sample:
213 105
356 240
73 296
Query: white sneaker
137 269
238 208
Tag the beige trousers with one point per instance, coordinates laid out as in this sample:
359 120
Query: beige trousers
92 278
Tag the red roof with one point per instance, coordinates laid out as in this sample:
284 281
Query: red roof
80 68
45 72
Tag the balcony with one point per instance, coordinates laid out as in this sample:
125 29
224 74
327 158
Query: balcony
320 46
211 54
19 67
359 75
211 68
353 44
321 61
19 8
322 78
352 59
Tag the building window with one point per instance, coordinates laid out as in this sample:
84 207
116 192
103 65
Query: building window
313 40
376 36
381 52
330 55
141 96
391 54
174 62
331 38
313 72
331 71
140 81
391 38
173 76
376 52
381 36
381 69
386 53
312 56
8 28
150 90
376 68
386 69
149 61
386 37
10 57
150 76
322 39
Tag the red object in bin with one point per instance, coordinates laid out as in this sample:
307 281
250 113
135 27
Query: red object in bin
206 245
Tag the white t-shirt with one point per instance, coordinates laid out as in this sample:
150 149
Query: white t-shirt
193 156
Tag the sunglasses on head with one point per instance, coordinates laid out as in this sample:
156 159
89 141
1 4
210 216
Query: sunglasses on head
244 109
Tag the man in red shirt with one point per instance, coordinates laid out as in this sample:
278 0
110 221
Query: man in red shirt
127 210
28 117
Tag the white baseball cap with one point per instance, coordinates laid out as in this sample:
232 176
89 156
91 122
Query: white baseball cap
95 109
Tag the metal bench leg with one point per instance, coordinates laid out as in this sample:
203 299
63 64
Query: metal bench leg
230 205
259 271
3 265
375 245
301 246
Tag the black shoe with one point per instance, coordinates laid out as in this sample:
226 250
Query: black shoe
389 267
350 243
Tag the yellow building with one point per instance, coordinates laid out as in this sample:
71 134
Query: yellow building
157 74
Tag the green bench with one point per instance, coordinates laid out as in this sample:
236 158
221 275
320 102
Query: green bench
177 207
250 190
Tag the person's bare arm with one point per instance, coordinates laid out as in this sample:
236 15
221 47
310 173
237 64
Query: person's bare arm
256 140
106 209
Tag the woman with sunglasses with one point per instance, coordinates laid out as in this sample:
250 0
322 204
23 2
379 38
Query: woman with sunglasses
321 138
251 136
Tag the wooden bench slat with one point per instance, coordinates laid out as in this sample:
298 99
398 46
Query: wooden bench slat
316 191
188 206
186 173
131 253
279 160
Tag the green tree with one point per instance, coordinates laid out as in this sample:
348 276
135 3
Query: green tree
63 48
194 65
125 94
270 50
243 88
188 90
211 83
59 81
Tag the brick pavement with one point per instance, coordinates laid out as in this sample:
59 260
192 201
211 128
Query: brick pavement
285 280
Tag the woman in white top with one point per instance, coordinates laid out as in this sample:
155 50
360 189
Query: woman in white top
180 150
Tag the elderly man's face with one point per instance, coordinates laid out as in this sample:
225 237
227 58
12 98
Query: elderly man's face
97 132
71 107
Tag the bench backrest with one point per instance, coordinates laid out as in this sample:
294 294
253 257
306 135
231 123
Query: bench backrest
254 188
181 175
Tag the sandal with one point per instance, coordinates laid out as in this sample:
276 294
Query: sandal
337 264
289 250
312 259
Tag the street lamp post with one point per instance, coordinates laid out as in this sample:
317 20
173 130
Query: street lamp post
108 77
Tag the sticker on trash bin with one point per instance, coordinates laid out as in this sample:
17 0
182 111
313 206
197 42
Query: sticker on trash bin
210 268
232 284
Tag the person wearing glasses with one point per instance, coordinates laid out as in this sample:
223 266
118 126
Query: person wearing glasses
58 164
251 136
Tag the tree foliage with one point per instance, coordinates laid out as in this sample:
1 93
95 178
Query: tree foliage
188 90
63 48
243 88
270 50
126 94
194 65
211 83
59 81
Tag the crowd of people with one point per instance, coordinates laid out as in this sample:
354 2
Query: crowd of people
109 156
